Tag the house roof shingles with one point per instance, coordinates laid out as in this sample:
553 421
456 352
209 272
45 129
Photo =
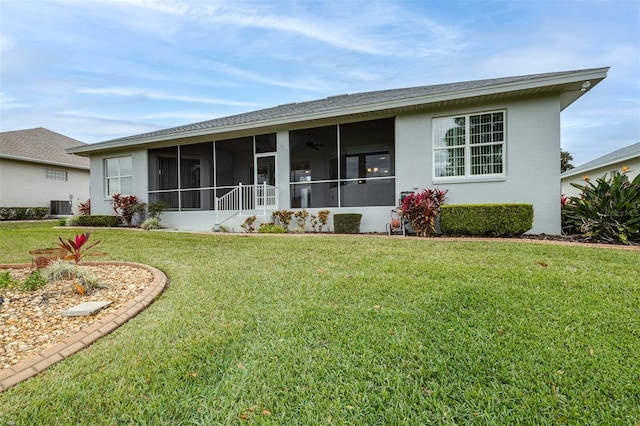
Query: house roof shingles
42 146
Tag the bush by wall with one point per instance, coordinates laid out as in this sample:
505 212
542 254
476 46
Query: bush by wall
23 213
499 220
271 228
95 220
607 210
346 223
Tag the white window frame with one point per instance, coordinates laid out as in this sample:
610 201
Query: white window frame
116 178
468 176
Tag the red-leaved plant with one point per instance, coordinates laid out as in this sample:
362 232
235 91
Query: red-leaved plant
85 208
421 209
126 207
76 250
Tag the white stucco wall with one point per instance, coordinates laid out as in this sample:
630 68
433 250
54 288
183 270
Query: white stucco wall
532 166
570 191
100 202
23 184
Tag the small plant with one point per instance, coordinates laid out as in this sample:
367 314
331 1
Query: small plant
34 281
76 252
608 210
59 270
156 209
61 221
7 280
283 217
301 219
271 228
152 223
247 225
320 221
421 209
127 207
85 208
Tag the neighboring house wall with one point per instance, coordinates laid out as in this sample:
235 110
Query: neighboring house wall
26 184
571 191
531 150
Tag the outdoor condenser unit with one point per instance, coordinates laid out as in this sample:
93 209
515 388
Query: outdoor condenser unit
60 207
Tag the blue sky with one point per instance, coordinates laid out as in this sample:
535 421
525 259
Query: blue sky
96 70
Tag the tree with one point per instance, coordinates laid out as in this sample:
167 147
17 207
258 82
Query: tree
565 161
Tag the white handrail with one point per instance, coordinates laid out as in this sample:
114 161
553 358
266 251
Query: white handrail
246 197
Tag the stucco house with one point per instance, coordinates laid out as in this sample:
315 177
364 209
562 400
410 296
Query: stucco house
36 171
486 141
628 157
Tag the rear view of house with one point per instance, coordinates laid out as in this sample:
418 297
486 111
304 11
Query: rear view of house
35 171
486 141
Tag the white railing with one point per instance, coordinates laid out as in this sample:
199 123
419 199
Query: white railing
245 198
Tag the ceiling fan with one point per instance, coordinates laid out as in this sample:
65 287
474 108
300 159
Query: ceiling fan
312 145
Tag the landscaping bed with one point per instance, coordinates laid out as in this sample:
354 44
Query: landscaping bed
32 321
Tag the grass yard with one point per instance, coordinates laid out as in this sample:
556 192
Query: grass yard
351 330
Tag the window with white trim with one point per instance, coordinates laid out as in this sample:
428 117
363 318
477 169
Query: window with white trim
118 175
54 174
469 145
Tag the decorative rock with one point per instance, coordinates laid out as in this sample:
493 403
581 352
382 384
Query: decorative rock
85 309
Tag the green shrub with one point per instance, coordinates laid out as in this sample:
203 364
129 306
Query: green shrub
499 220
95 220
61 221
152 223
608 210
7 280
271 228
34 281
346 223
23 213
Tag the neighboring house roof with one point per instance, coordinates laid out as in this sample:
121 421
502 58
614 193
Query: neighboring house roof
40 145
569 85
623 154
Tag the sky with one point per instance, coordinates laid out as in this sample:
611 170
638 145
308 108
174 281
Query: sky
97 70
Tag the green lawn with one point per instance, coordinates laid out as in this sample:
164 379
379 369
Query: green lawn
344 330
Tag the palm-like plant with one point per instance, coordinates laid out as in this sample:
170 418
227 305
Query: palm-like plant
77 251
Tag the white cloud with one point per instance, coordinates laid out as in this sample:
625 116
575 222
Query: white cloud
9 102
151 94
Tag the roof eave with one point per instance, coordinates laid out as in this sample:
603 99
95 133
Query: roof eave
39 161
569 88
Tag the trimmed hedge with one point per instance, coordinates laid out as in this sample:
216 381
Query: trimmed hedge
346 223
271 228
498 220
23 213
95 220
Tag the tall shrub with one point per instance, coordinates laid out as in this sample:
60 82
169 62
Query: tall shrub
421 209
607 210
126 207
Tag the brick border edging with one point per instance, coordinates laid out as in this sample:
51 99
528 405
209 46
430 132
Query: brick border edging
28 368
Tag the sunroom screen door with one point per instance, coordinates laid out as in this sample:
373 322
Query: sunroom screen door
265 173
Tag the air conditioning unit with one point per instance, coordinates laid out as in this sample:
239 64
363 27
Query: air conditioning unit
60 207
